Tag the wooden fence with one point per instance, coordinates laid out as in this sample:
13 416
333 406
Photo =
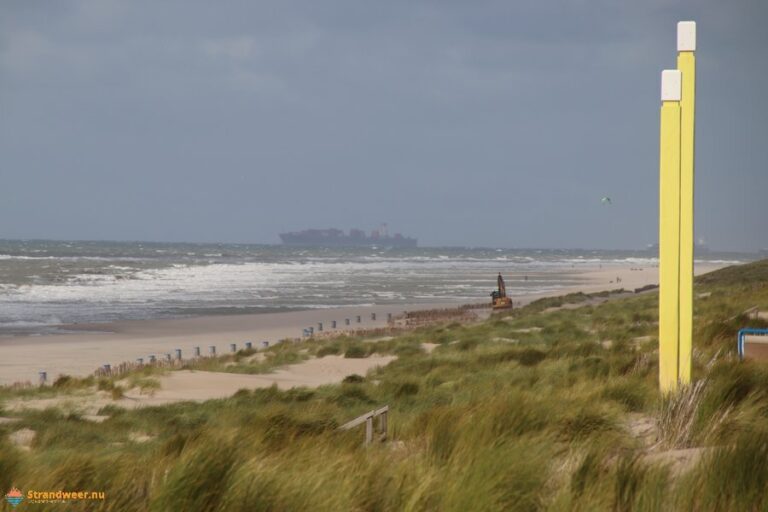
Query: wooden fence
367 418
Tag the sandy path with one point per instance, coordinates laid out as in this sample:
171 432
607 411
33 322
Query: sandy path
191 385
186 385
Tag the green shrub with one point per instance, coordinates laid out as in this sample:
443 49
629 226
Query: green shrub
525 356
585 424
298 395
406 389
467 344
328 350
355 352
111 410
348 396
530 357
63 381
117 393
353 379
408 350
105 385
630 394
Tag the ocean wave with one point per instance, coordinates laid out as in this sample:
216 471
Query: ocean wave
103 287
73 258
25 324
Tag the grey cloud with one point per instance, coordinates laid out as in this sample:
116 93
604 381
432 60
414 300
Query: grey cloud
464 123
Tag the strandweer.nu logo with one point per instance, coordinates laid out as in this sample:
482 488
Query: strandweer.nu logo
14 497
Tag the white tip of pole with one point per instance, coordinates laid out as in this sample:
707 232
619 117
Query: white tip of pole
671 85
686 36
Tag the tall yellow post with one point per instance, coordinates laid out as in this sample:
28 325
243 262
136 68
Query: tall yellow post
669 231
686 64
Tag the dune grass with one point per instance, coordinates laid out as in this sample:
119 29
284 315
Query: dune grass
531 410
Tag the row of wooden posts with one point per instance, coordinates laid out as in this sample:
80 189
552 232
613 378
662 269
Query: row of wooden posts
409 318
395 324
175 359
310 331
169 360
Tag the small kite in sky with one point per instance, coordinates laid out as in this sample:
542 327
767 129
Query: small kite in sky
606 200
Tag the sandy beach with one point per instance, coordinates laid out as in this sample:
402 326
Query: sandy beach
80 353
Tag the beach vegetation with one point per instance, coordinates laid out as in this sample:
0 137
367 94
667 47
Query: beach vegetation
355 352
552 406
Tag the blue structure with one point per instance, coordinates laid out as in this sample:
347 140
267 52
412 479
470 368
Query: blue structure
744 332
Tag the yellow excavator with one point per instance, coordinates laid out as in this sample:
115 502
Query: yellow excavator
499 299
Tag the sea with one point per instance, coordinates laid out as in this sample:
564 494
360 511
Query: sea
47 284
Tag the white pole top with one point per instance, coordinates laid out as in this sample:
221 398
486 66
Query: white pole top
686 36
671 85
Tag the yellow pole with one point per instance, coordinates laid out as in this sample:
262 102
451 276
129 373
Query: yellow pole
686 64
669 231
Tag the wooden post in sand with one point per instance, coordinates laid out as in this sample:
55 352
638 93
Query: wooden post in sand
686 64
333 324
383 422
369 430
178 354
212 350
197 351
233 347
669 231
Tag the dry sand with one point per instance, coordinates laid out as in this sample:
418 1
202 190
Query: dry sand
80 353
185 385
191 385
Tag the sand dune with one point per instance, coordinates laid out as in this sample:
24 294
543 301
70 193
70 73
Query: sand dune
186 385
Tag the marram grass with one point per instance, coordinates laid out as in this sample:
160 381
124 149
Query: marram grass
539 409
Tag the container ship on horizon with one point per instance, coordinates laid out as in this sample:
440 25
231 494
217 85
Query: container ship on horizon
333 237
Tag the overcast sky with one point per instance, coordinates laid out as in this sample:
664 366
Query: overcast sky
490 123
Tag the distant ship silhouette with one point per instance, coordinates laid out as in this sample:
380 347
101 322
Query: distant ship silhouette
333 237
